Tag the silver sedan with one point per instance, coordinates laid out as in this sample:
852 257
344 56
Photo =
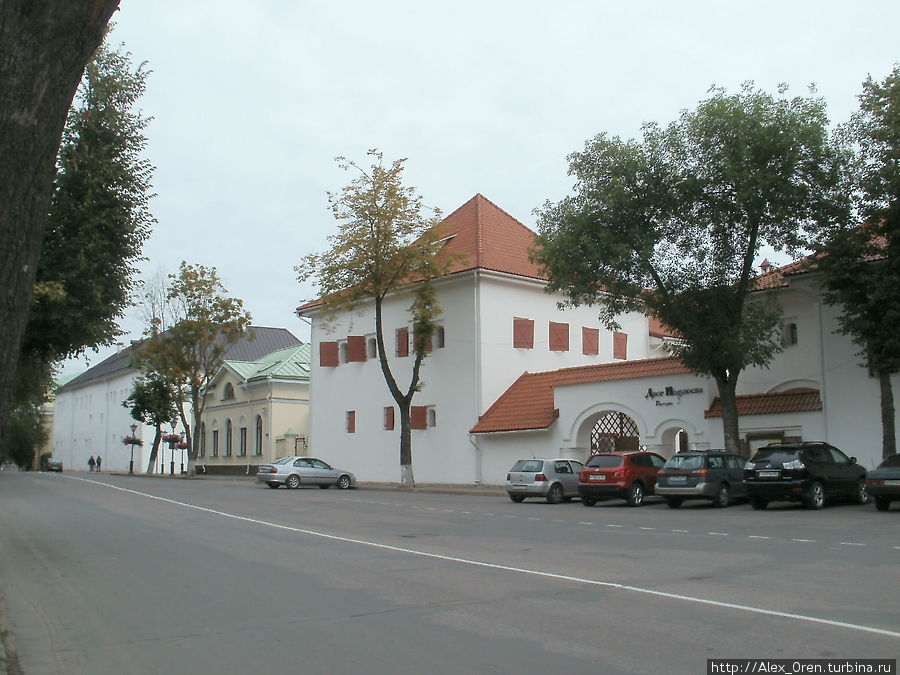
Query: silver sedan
292 472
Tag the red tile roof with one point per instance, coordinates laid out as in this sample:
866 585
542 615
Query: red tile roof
487 237
528 404
795 400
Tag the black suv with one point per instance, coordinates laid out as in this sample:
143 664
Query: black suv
808 472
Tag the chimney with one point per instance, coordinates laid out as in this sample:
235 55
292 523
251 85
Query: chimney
765 266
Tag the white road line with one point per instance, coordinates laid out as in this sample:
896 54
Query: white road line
681 531
648 528
851 543
509 568
611 525
805 541
718 534
756 536
584 522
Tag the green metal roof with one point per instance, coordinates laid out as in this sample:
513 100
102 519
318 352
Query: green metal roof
290 363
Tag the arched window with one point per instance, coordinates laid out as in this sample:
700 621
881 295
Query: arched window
228 437
258 447
229 391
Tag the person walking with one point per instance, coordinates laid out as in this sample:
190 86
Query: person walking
91 463
98 462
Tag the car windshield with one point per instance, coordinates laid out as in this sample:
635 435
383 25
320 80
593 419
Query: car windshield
775 455
892 461
604 461
686 462
531 465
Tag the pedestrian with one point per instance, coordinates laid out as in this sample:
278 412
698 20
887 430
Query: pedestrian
91 462
98 462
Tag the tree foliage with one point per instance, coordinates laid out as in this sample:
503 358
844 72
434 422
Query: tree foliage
670 225
861 264
24 434
386 243
154 400
192 350
43 50
99 215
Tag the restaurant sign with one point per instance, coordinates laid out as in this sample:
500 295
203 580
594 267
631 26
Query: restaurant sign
670 395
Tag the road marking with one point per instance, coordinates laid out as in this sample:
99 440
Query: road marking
851 543
611 525
648 528
508 568
681 531
584 522
718 534
805 541
756 536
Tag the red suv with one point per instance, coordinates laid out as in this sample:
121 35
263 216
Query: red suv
626 475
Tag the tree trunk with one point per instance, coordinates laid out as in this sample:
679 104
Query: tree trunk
728 401
151 463
44 47
888 435
406 470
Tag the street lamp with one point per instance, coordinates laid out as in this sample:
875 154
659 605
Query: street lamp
175 439
131 463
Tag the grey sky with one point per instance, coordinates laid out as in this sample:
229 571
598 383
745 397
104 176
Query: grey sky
253 100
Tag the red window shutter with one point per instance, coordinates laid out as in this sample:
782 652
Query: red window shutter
356 348
419 418
351 421
403 341
590 341
523 333
559 337
328 354
389 418
620 345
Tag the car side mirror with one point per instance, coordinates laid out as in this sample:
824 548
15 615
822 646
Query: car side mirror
853 460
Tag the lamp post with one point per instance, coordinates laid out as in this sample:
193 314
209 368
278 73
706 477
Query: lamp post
131 463
182 446
175 439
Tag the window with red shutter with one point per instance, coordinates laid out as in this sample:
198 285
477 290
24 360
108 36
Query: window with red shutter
419 417
389 418
403 341
523 333
356 348
559 337
620 345
590 341
351 421
328 354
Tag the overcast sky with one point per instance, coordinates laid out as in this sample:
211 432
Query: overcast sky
253 100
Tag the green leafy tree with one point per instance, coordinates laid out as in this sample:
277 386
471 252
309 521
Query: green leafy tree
192 350
385 243
154 400
861 265
670 225
99 216
44 47
24 435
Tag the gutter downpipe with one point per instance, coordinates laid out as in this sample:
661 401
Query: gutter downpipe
473 439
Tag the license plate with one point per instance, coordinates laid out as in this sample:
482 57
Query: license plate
768 474
677 479
596 476
891 481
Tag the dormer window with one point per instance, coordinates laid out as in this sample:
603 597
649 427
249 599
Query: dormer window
229 392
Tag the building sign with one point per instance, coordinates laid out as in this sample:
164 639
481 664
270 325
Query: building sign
670 395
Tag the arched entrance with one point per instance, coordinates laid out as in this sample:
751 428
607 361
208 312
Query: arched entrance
614 431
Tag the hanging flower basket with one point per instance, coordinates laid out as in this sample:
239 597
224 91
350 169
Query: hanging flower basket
181 446
171 438
132 440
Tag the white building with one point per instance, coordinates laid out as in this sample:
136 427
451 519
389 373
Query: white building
90 420
497 322
512 376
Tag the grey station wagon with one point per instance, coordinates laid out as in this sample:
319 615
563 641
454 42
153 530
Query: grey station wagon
715 475
555 480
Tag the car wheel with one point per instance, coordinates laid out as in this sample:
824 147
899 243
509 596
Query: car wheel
555 494
758 503
882 503
673 503
272 485
343 483
518 499
588 501
635 496
815 496
862 494
723 496
292 482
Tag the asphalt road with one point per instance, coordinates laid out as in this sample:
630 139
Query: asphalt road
118 574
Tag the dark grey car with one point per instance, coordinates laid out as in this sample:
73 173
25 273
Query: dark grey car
555 480
715 475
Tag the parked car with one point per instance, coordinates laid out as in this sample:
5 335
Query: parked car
292 472
715 475
810 472
884 482
52 464
625 475
555 480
